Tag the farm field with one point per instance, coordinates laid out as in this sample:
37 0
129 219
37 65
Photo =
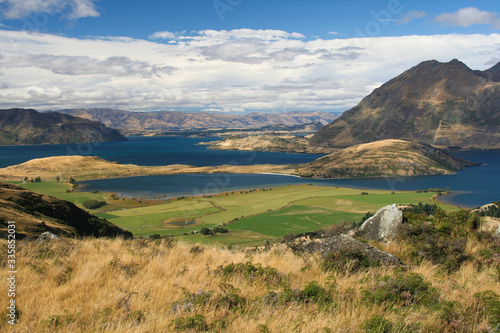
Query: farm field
252 217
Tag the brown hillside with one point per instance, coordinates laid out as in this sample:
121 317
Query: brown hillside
441 104
383 159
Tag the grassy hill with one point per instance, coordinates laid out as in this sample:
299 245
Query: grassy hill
279 143
36 213
383 159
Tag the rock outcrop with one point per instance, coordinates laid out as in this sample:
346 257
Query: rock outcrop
382 226
47 236
343 242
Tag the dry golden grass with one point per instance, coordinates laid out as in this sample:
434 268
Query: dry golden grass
101 285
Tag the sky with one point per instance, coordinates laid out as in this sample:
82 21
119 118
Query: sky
235 56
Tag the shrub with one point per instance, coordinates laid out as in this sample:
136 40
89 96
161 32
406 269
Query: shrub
376 324
93 204
441 239
486 304
348 260
493 210
426 209
313 292
251 272
401 289
366 217
206 231
220 230
196 322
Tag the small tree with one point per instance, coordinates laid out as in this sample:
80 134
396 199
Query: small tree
71 180
205 231
58 178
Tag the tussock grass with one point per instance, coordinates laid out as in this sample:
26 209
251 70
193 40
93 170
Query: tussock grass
103 285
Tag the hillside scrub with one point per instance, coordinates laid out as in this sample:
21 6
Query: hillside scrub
162 285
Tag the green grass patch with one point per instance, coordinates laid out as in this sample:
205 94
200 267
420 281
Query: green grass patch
295 219
58 190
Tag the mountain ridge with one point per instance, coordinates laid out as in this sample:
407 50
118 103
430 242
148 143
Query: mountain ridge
441 104
175 120
28 126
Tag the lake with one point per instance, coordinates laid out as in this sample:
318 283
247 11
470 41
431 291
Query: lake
152 151
470 187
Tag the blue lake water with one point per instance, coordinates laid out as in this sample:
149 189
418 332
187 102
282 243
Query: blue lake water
152 151
470 188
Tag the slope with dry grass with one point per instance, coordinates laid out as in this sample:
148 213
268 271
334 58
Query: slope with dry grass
92 167
164 286
386 158
278 143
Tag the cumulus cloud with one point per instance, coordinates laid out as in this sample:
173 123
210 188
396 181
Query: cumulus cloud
162 35
466 17
411 16
224 70
73 9
249 51
84 65
251 34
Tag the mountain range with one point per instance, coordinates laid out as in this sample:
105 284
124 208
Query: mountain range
26 126
127 121
441 104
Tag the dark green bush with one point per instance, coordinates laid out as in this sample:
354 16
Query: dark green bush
401 289
313 292
348 260
376 324
93 204
205 231
220 230
441 239
426 209
493 210
251 272
196 322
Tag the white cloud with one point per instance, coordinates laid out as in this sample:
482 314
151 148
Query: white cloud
216 70
466 17
250 34
162 35
84 65
411 16
73 9
333 33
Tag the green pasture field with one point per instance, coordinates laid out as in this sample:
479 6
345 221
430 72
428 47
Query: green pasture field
252 217
58 190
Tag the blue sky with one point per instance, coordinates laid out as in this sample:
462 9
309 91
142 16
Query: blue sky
229 55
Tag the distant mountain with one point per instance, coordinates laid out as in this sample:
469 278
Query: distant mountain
172 120
24 126
36 213
442 104
386 158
